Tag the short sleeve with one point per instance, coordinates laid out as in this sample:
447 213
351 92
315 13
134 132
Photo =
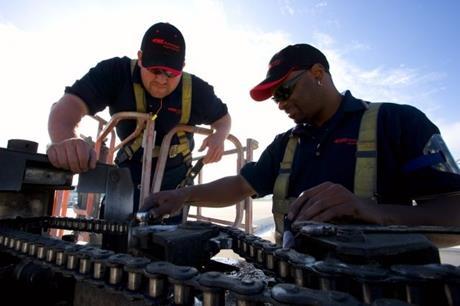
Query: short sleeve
100 86
206 106
261 175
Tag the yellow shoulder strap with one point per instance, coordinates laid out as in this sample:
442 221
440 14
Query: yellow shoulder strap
139 94
184 146
141 107
281 187
365 184
186 98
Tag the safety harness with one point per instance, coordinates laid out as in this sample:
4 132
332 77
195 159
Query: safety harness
365 181
183 147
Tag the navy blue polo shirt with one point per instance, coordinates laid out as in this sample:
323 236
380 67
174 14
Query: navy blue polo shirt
328 153
110 83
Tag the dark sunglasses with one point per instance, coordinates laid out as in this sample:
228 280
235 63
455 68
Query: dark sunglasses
157 71
285 90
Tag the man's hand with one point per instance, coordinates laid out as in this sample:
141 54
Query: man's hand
164 202
328 201
73 154
215 141
215 145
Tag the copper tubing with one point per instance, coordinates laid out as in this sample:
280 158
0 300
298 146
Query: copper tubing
116 118
164 152
143 120
149 143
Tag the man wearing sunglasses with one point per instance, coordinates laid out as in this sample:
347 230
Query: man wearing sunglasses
346 160
154 83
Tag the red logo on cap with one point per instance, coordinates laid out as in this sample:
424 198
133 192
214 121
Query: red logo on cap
274 63
166 44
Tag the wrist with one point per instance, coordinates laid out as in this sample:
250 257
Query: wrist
187 194
375 214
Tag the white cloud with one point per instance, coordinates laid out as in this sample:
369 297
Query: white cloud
37 65
321 4
233 57
287 8
392 84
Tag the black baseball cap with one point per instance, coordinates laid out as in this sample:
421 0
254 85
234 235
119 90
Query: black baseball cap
163 46
291 58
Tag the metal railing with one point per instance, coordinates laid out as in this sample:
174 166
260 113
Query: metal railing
242 208
144 123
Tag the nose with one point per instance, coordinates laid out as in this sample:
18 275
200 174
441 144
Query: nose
282 105
161 78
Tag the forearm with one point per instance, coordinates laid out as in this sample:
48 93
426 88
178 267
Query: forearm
222 126
64 118
220 193
443 211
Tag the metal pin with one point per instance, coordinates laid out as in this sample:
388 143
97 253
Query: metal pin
115 276
71 261
134 280
50 255
85 266
25 247
283 269
156 287
183 295
270 262
60 258
18 245
40 252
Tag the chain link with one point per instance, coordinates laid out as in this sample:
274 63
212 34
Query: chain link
298 277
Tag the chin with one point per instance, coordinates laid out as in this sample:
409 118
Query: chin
298 120
158 95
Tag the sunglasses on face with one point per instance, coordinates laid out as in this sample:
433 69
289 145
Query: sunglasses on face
285 90
157 71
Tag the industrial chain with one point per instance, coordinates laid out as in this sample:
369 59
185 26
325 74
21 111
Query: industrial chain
163 283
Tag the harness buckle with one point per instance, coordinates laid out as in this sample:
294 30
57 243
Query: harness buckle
176 149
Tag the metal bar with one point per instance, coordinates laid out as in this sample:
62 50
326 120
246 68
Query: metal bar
164 151
149 142
203 218
248 201
116 118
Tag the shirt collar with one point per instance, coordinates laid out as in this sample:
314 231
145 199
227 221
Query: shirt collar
349 104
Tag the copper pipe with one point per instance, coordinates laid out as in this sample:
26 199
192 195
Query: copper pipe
164 151
116 118
149 143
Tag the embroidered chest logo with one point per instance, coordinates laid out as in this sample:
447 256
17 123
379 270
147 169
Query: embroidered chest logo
177 111
346 141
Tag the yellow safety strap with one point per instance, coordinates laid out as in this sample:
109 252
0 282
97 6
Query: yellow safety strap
184 146
141 106
365 181
281 187
365 185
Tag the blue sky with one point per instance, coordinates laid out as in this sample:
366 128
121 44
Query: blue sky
398 51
